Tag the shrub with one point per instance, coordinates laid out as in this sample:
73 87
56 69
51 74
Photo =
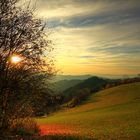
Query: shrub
24 127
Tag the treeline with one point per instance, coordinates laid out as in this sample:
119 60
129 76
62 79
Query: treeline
122 81
47 104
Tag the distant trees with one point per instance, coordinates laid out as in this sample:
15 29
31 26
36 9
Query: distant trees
47 104
23 36
79 96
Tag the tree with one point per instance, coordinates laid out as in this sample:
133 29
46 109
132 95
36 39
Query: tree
22 60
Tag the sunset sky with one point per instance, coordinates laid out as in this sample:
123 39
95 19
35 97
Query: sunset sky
94 36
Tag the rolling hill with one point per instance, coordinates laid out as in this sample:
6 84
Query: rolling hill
84 88
63 85
113 113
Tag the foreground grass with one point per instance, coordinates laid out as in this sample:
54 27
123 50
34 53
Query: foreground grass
109 114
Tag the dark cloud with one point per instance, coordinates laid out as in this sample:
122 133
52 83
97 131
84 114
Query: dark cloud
120 17
117 49
87 56
61 3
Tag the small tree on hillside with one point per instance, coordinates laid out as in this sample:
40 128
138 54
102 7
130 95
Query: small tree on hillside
22 60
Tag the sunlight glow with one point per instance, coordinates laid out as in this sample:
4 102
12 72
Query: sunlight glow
16 59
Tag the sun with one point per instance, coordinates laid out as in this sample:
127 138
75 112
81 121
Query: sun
16 59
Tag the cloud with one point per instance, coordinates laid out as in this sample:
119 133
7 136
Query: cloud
94 36
118 50
67 8
91 19
87 56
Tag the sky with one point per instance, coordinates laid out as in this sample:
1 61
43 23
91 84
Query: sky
93 36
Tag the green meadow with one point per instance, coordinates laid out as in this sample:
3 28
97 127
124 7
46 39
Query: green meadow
112 113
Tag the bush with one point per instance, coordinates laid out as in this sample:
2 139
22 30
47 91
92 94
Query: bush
24 127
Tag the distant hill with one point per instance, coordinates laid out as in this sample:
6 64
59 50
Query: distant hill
74 95
70 77
62 85
93 84
113 113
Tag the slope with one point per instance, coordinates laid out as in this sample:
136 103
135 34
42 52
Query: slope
62 85
109 114
74 95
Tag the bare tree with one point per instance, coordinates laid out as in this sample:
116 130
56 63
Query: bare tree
21 36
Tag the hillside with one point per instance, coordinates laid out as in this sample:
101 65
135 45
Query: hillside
110 114
63 85
85 88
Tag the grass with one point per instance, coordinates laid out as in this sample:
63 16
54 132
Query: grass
110 114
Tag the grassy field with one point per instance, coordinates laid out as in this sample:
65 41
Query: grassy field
110 114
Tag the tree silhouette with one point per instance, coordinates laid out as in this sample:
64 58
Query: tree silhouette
23 36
